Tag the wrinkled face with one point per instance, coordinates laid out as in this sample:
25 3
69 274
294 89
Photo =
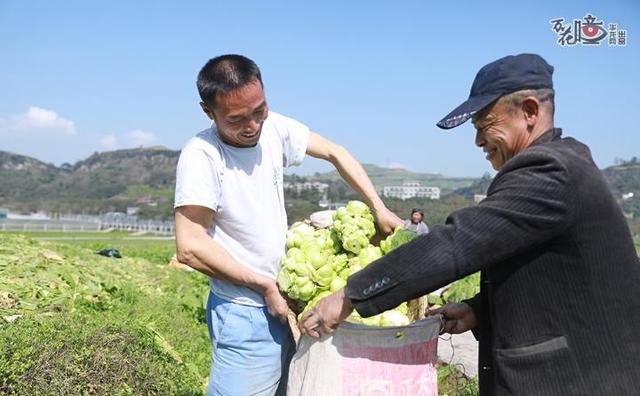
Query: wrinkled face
240 114
416 217
500 134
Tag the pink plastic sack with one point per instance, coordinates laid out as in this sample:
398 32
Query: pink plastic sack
368 361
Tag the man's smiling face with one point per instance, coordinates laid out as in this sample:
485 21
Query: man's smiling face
500 133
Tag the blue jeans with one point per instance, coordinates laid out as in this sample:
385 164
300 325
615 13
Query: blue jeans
251 350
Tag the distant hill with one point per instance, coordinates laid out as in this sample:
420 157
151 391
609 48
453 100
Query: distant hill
113 180
145 177
624 178
105 181
22 176
381 177
479 186
104 175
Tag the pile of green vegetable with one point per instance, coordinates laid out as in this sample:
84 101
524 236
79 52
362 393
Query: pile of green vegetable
459 290
73 322
319 261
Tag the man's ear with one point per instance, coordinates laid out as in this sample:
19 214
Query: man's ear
531 110
207 111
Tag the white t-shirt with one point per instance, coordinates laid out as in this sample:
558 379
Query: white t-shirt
244 188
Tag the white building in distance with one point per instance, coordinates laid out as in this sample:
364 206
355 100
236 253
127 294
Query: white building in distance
315 185
411 189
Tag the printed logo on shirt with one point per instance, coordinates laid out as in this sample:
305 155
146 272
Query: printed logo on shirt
277 176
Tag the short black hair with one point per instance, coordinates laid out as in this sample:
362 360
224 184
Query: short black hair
223 74
416 210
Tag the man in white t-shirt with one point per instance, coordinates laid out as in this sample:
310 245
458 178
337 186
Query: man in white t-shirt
231 221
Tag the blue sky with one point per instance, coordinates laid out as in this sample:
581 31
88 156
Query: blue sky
79 77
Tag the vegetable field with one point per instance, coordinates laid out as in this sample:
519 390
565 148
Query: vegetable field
76 323
73 322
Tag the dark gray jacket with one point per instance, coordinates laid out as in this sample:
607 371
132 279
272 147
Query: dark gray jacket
559 308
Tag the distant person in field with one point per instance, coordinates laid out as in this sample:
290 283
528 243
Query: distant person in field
416 222
558 311
231 221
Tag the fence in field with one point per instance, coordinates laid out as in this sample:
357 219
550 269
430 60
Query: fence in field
47 226
108 222
153 227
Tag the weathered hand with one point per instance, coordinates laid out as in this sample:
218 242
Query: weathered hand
276 303
326 315
458 317
386 220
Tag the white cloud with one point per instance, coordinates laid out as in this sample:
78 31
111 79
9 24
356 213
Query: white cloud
138 137
135 138
37 121
397 165
109 142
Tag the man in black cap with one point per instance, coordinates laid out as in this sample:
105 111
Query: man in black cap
559 307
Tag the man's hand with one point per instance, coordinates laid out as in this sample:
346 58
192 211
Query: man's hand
276 303
386 220
458 317
327 314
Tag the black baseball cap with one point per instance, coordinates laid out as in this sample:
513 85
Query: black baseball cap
504 76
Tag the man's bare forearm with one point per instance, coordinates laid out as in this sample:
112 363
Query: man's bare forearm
207 256
354 174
